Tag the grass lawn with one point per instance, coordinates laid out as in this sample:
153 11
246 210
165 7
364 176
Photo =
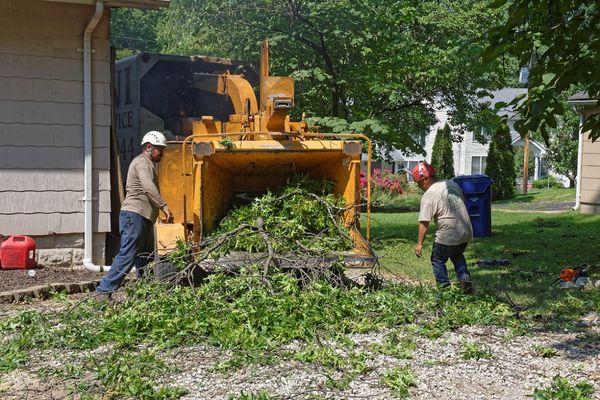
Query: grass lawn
539 246
408 201
551 195
534 199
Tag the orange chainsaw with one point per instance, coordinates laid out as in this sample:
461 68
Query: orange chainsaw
572 275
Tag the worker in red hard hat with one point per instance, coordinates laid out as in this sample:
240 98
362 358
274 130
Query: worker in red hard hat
443 203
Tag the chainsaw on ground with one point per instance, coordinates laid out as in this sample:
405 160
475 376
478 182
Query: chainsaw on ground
574 277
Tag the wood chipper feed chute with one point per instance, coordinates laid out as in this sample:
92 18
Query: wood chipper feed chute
203 178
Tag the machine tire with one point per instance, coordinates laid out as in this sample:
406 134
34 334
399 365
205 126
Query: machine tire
164 270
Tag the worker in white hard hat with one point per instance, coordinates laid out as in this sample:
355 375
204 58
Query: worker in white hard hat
138 214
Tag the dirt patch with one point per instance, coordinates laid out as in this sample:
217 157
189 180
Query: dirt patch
18 279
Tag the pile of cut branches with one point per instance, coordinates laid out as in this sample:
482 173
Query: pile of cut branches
298 228
305 215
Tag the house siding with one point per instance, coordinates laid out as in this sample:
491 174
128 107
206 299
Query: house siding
462 152
468 148
41 126
590 176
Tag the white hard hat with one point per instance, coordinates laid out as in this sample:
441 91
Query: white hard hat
155 138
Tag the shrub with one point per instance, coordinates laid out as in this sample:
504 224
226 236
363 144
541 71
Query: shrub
387 182
548 181
442 157
500 164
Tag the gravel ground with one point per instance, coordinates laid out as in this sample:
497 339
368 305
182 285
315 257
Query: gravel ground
18 279
513 372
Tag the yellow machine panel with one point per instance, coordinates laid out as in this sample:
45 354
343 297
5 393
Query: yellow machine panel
166 237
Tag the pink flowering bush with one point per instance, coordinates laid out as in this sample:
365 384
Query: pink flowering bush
385 182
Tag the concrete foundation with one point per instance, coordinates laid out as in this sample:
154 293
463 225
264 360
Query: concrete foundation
66 250
587 208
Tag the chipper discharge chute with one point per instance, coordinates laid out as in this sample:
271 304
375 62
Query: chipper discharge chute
256 150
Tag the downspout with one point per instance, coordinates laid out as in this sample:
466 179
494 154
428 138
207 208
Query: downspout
579 161
87 140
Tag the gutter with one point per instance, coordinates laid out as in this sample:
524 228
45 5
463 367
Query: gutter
87 140
579 161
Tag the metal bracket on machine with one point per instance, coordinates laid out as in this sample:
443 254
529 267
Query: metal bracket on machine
202 149
352 148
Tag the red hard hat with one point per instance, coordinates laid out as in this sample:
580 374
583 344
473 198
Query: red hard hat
422 171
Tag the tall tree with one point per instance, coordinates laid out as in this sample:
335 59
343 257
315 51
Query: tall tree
560 42
134 30
442 158
380 68
563 146
500 164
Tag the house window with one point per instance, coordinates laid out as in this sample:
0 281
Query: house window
478 164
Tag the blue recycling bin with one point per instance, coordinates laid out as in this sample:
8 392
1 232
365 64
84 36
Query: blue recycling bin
477 190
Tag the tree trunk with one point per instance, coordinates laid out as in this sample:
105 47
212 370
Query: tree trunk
335 101
338 106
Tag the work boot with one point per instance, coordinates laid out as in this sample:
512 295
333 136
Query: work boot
467 287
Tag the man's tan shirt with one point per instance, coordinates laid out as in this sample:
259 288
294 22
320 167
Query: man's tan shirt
143 196
443 203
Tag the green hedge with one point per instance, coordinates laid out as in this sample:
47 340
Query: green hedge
543 183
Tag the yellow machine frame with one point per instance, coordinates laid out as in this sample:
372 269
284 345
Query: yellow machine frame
256 150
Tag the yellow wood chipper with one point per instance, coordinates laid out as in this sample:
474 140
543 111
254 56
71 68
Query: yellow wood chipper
258 148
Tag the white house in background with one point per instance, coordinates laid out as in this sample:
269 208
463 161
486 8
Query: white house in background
470 156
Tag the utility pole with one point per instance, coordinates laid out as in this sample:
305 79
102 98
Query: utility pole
526 164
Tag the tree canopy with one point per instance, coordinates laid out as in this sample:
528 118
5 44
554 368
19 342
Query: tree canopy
563 144
376 67
559 42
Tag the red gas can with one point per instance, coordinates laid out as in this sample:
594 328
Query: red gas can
18 252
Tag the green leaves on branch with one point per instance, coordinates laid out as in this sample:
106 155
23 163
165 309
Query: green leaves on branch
559 42
387 65
564 389
294 219
371 127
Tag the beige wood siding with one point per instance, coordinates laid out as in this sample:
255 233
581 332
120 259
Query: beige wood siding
49 201
38 180
45 135
590 176
48 224
57 91
41 118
